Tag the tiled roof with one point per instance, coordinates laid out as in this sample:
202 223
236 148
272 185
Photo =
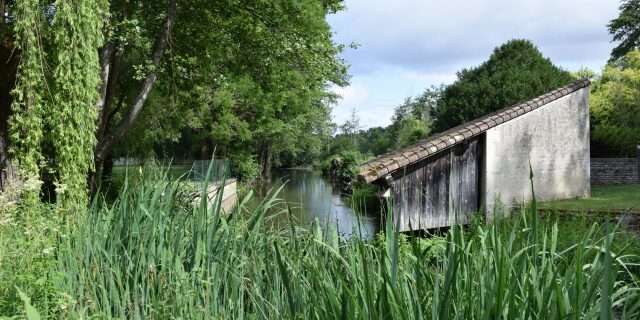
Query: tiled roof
392 161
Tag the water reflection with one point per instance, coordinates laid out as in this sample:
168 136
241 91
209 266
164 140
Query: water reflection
311 196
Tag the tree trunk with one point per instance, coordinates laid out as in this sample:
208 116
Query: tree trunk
206 149
107 169
110 69
109 141
8 69
8 170
266 155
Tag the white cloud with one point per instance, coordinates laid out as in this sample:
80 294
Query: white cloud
429 77
408 45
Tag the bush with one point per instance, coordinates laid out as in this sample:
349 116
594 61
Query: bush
245 168
347 172
28 244
349 166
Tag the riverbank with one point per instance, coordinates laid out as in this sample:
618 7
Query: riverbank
149 256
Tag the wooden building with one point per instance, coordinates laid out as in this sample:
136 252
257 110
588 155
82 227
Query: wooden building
443 179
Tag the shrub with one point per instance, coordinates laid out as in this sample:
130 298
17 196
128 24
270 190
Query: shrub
28 244
245 168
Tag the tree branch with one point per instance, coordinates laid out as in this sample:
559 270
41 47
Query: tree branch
109 94
105 65
115 110
108 143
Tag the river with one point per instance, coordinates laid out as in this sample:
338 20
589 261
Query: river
312 197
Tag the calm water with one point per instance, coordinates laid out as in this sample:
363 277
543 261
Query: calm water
311 196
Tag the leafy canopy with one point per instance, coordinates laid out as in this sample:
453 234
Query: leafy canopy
615 105
516 71
626 29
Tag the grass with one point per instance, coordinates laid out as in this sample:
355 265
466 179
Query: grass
149 255
603 199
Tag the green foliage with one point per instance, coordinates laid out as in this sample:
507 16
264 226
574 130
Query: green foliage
246 78
262 73
626 29
420 107
62 102
376 141
413 120
615 111
245 168
152 255
603 198
364 200
349 167
32 313
411 131
28 246
516 71
29 104
77 31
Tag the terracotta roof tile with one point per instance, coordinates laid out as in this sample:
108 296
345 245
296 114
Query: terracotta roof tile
390 162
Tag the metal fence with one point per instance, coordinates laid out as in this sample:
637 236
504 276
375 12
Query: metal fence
193 170
214 170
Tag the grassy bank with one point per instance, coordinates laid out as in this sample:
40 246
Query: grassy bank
150 255
603 199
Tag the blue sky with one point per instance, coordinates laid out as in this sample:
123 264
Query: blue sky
406 46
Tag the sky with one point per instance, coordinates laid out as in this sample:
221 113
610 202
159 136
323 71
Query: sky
406 46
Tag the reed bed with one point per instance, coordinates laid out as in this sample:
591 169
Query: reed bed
152 255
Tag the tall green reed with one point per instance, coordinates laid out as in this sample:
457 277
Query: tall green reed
153 255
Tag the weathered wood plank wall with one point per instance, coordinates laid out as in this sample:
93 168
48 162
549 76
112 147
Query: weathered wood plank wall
439 191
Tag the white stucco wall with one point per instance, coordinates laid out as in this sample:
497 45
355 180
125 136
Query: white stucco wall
555 138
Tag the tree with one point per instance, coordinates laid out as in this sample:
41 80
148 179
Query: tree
268 89
177 69
625 29
413 120
351 127
61 102
615 106
375 141
411 131
516 71
129 21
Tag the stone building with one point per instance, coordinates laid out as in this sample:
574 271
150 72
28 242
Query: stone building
439 181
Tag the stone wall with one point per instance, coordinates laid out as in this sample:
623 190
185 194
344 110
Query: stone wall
614 171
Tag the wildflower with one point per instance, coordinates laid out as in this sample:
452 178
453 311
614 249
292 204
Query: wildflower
60 187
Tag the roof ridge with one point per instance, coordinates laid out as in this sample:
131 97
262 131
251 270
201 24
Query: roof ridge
389 162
